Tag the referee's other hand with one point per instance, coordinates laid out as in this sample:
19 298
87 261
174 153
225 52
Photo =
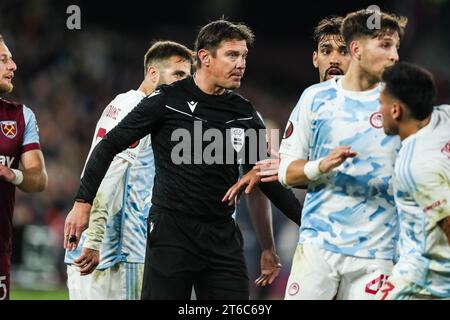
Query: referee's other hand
270 267
76 222
248 181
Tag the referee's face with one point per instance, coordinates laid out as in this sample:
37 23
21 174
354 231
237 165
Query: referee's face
7 68
227 67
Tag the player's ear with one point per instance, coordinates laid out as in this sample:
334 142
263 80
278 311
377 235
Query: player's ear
356 49
204 57
396 111
153 74
314 59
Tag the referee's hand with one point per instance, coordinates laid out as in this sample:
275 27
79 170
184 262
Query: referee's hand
76 222
270 268
248 181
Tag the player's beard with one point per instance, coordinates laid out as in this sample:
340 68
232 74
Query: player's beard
6 88
389 128
332 71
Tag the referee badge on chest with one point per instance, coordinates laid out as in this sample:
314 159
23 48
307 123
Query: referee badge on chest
237 138
9 129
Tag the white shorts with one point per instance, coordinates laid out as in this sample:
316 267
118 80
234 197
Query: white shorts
123 281
318 274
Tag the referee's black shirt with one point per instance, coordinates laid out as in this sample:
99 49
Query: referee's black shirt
177 116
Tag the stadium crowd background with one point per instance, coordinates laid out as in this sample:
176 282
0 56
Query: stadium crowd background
67 77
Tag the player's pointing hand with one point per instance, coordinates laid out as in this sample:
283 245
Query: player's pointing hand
335 158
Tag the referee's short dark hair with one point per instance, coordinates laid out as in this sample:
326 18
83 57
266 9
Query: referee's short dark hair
413 86
329 26
211 35
163 50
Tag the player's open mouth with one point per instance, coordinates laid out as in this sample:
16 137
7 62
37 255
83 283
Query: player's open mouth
9 77
334 72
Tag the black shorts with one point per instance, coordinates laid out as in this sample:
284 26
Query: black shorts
5 266
183 252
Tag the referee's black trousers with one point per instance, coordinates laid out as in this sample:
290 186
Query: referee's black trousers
184 253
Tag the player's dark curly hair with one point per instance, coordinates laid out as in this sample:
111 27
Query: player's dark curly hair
413 86
329 26
163 50
357 25
211 35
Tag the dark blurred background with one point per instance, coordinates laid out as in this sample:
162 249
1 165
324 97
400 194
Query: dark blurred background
67 77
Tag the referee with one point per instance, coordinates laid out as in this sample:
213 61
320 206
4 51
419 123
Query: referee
197 126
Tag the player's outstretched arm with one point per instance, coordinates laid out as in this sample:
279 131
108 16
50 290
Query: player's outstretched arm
268 168
138 123
300 172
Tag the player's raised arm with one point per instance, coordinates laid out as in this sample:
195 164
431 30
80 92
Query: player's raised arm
138 123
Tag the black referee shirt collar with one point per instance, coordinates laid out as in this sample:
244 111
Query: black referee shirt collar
205 95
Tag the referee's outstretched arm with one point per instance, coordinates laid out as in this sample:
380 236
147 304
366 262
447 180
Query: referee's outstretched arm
283 199
141 121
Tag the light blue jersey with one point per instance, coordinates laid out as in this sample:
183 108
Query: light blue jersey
351 209
422 195
124 197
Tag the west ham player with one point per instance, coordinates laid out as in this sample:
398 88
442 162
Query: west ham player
194 241
334 142
421 183
117 250
19 143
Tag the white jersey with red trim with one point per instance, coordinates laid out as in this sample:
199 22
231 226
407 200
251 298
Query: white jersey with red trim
124 197
422 196
350 210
